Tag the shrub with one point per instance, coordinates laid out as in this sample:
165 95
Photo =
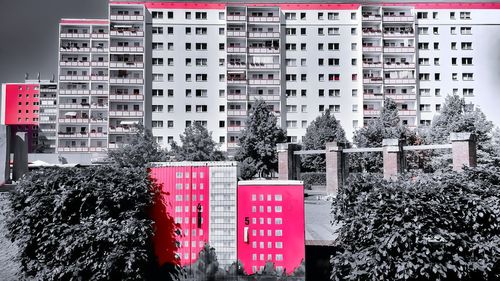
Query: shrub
313 178
84 224
426 227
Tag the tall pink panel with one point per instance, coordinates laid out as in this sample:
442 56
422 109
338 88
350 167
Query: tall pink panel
271 224
185 198
21 104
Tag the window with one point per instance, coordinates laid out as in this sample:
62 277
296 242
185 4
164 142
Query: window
303 31
333 77
170 93
436 61
434 15
157 108
466 30
333 46
320 16
467 76
353 16
454 76
201 62
437 76
435 30
201 15
170 46
302 16
453 45
291 31
320 46
221 16
157 93
201 108
465 15
466 45
170 108
423 30
157 30
468 92
290 16
334 92
354 46
201 31
291 77
201 46
453 30
188 15
333 16
201 77
321 31
333 62
157 61
422 15
333 31
436 46
157 77
170 30
157 15
466 61
170 77
157 124
170 15
452 15
290 47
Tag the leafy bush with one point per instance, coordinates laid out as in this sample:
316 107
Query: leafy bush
311 179
426 227
85 224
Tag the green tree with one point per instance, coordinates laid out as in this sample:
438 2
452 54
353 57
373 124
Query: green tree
258 141
85 224
424 227
197 145
323 129
386 126
140 150
455 118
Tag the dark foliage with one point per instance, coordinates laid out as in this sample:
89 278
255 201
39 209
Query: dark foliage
197 145
443 226
85 224
312 178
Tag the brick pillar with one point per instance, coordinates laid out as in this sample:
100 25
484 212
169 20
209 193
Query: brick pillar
464 150
393 157
4 154
288 163
335 167
20 155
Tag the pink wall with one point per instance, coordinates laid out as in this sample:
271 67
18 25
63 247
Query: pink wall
24 94
182 187
258 209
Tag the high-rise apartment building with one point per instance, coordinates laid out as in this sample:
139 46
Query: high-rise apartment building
31 107
170 64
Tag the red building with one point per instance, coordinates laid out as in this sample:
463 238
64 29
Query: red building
271 224
201 198
22 107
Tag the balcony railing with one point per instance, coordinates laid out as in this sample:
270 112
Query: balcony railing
264 81
98 135
236 112
74 77
115 113
99 92
263 34
399 81
116 145
372 64
232 145
127 49
235 128
263 50
99 77
74 92
75 50
399 34
408 112
399 65
74 120
410 49
127 33
264 97
398 18
371 32
100 63
236 18
263 19
126 18
125 97
236 33
99 50
75 35
73 135
121 130
373 97
99 120
264 65
99 105
372 48
402 97
97 149
100 35
372 17
236 97
236 65
74 106
126 64
72 149
126 80
371 112
373 80
75 63
236 49
236 80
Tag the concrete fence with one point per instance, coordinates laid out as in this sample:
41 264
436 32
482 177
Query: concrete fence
463 146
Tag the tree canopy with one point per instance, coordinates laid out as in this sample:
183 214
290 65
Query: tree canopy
196 145
141 149
325 128
258 141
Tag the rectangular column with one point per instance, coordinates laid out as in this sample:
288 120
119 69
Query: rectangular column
4 154
335 167
392 154
464 150
20 156
288 163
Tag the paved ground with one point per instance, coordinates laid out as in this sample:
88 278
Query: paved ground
8 266
318 217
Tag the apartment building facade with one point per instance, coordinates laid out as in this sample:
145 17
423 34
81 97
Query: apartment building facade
201 198
171 64
31 107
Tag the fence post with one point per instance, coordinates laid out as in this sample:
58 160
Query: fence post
393 157
335 167
20 155
4 154
288 163
464 150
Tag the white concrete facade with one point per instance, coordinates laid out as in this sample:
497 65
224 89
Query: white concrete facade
207 62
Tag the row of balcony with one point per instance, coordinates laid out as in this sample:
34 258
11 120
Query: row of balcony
252 19
239 65
253 34
401 112
85 35
127 49
82 135
378 49
377 17
83 106
127 33
395 65
253 50
241 97
380 80
379 96
126 17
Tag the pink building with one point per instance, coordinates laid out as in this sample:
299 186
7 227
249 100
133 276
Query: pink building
201 198
270 224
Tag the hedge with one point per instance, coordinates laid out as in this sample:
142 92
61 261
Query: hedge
313 178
